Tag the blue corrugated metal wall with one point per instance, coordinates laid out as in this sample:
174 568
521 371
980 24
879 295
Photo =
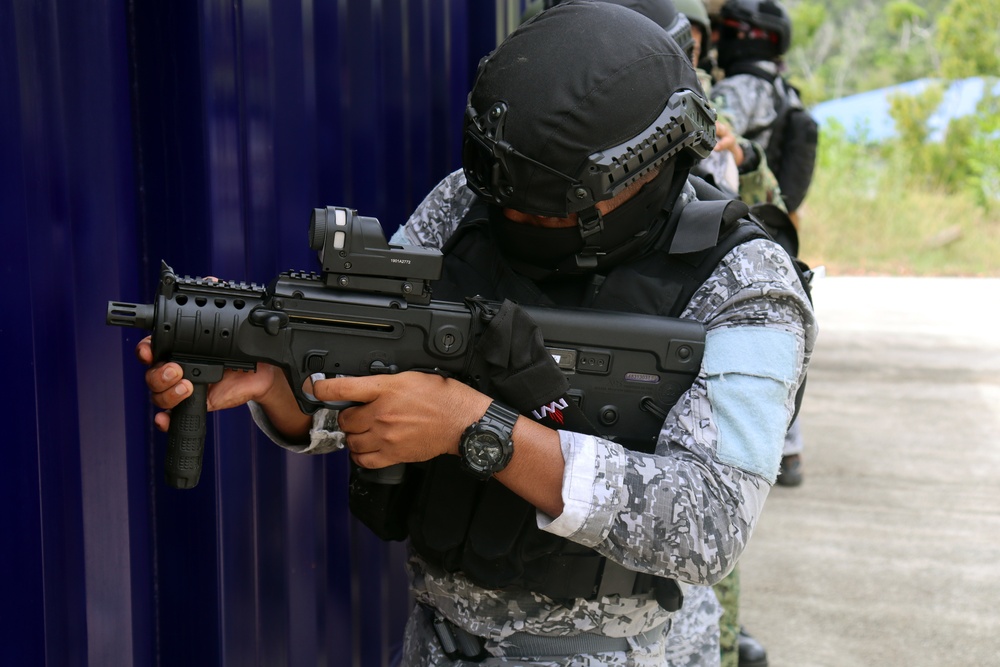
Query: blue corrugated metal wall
202 133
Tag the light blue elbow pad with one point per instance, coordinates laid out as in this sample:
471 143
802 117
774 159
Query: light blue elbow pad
750 370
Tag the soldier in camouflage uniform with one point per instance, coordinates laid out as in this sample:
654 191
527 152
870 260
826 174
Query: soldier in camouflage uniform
737 163
680 513
754 186
753 37
754 34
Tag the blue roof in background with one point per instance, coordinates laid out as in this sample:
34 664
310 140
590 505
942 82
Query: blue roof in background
866 115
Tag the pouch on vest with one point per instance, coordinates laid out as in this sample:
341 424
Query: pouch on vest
380 506
522 372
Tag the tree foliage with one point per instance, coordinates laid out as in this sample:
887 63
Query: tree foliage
919 186
842 47
968 37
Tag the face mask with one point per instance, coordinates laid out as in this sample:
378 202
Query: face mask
542 247
552 249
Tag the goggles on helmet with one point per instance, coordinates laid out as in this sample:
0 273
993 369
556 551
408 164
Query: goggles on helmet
496 170
736 29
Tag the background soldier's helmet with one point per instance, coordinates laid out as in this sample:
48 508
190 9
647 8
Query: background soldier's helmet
663 12
696 13
753 30
576 104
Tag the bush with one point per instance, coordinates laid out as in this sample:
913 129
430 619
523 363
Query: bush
964 159
884 209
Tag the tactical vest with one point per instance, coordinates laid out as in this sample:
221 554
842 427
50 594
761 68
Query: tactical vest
482 528
792 145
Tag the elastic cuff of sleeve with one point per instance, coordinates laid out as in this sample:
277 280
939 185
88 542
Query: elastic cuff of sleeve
578 486
590 499
323 437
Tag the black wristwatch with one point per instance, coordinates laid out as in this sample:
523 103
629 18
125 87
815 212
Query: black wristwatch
486 446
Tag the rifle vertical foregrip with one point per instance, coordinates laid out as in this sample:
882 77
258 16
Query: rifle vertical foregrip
186 440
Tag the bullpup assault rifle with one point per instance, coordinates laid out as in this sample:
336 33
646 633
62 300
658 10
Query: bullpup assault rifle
369 311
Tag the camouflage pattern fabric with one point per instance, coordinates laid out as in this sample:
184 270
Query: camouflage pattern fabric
435 219
705 79
682 480
755 187
693 641
728 592
760 186
748 102
677 513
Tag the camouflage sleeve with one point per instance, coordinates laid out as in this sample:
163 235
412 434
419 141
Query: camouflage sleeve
746 102
688 510
758 185
721 166
436 217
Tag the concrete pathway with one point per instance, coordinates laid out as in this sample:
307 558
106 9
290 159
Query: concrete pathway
889 553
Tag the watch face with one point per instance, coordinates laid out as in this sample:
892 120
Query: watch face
483 451
486 446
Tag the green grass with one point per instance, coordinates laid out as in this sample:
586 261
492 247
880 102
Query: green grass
860 220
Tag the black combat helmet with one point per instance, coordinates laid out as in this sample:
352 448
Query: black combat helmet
663 12
696 13
575 105
753 30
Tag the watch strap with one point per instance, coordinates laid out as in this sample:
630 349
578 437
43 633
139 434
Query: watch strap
500 417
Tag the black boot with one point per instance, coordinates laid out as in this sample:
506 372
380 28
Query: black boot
790 470
752 653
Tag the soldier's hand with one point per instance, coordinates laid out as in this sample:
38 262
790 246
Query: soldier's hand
727 141
168 387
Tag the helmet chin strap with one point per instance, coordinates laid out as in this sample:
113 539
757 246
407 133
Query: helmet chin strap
627 224
591 223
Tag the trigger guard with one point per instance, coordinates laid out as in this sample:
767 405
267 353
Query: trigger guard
332 405
316 404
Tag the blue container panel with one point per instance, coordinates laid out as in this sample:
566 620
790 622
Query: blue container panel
202 133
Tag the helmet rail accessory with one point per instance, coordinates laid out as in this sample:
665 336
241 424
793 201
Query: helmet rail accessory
495 168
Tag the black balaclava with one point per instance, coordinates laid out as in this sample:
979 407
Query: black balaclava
630 229
767 21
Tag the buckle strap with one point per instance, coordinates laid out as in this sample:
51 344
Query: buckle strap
522 644
591 576
459 644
